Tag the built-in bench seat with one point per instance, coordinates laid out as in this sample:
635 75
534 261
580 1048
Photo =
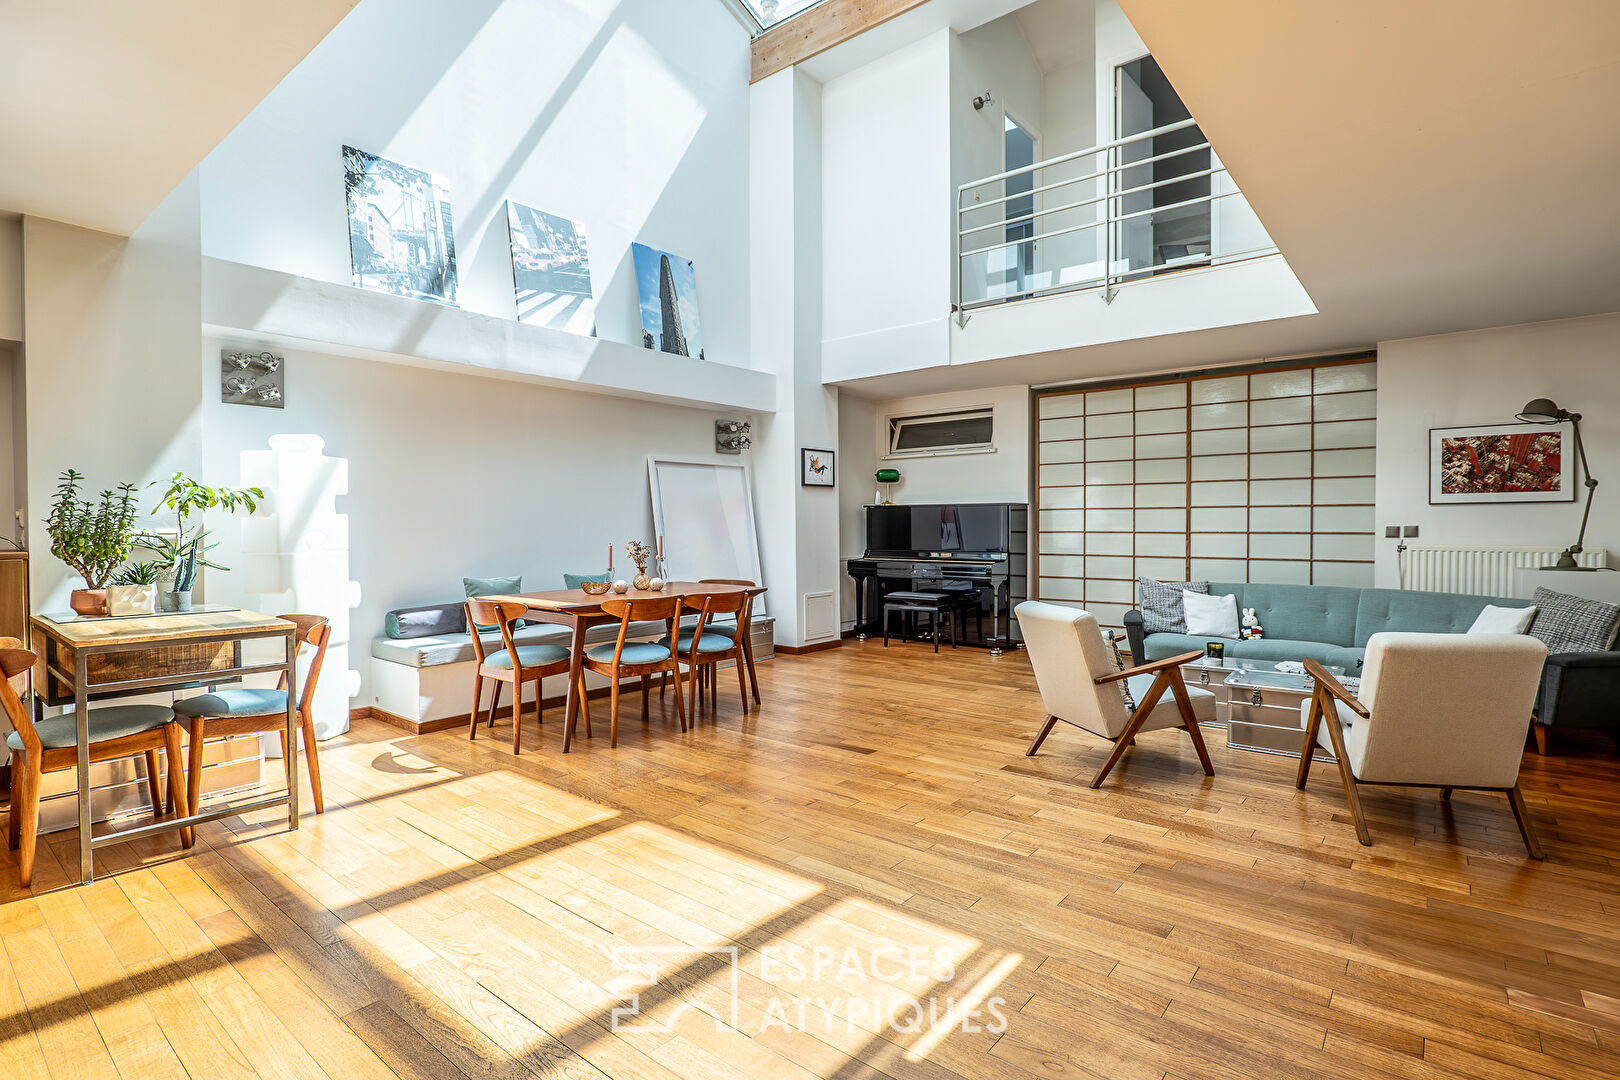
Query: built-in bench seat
425 683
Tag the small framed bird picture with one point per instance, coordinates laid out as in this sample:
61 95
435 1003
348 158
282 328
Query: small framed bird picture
817 468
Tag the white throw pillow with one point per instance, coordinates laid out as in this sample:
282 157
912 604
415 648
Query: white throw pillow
1504 620
1211 616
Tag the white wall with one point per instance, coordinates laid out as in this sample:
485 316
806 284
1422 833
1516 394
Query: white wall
111 386
454 475
857 461
1485 377
630 116
886 209
1002 476
11 279
994 57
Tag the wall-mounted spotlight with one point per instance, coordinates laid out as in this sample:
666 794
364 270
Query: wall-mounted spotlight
249 377
732 436
982 100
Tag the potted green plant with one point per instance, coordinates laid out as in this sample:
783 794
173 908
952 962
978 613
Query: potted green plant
180 556
93 539
133 590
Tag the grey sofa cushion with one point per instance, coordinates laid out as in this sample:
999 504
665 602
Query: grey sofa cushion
425 621
1162 611
1568 623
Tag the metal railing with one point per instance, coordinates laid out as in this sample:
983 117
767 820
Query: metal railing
1100 228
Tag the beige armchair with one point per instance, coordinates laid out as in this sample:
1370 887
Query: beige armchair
1436 710
1080 684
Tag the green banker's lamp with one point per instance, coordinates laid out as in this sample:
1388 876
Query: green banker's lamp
1543 411
887 477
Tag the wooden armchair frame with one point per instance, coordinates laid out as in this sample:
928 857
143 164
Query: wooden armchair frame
313 630
1167 674
28 771
503 614
666 609
745 624
705 666
1324 701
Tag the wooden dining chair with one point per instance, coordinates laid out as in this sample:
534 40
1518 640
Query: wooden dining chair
701 650
624 658
515 664
116 731
247 710
742 628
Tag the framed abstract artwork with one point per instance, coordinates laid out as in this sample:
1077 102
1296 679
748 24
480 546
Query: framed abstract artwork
817 468
1501 463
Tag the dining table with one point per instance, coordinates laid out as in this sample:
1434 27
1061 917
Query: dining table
80 658
579 610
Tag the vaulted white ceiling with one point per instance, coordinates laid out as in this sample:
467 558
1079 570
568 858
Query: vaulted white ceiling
106 105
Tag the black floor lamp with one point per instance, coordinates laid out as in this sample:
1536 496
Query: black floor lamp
1543 411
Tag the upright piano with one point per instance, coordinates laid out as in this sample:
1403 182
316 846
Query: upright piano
976 549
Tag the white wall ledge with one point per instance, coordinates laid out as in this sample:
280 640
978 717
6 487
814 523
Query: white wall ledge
276 308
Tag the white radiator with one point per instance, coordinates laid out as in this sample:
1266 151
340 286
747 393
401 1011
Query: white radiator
1480 571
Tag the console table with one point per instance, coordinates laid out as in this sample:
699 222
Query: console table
81 658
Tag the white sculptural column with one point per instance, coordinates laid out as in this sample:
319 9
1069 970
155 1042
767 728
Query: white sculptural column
296 556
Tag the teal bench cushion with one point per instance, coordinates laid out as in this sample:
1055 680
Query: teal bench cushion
106 723
635 652
242 701
574 581
528 655
491 586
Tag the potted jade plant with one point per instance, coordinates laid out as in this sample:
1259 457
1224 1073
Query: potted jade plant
93 539
133 590
181 555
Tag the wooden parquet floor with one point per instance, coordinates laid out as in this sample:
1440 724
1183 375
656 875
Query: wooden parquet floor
864 879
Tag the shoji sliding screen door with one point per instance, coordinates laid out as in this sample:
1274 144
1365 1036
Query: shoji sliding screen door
1264 474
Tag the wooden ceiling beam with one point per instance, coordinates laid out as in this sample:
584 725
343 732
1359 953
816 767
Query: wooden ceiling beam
830 23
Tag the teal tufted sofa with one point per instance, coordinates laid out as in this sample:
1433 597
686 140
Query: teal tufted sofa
1328 623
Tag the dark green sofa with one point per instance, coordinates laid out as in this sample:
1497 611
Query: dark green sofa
1328 623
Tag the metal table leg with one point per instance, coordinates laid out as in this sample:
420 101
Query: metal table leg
81 728
293 732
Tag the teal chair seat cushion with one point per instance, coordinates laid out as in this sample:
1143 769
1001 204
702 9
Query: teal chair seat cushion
241 701
106 723
725 629
635 652
530 656
708 643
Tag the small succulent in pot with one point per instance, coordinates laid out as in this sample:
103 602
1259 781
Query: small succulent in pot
94 539
133 590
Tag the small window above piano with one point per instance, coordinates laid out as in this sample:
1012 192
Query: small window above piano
966 431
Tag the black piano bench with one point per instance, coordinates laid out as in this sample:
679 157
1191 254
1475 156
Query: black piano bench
940 607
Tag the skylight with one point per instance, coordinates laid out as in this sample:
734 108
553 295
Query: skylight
770 12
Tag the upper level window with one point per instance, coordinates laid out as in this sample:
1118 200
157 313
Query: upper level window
967 431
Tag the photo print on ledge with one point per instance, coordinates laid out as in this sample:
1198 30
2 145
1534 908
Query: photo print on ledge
551 270
401 238
667 286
